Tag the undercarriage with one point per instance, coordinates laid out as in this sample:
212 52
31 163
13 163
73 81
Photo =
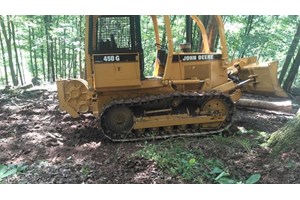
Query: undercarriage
167 115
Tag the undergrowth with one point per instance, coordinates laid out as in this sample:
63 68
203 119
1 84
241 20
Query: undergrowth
10 170
189 164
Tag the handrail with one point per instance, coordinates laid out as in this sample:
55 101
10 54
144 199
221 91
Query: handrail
222 40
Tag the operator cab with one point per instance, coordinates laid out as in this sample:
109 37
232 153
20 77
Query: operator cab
117 39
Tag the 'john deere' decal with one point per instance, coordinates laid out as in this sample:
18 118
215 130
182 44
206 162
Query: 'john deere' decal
196 57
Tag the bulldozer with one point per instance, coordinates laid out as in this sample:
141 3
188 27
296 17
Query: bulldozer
189 94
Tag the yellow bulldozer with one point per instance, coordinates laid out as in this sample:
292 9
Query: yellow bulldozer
189 94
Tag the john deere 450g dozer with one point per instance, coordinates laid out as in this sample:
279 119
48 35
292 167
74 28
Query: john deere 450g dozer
189 94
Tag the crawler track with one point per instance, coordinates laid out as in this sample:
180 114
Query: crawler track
209 113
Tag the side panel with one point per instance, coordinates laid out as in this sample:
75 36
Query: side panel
218 73
116 70
198 66
212 71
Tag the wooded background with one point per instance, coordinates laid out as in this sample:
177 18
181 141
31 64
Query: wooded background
49 47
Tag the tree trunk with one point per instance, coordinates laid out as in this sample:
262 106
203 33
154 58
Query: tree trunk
292 73
16 52
286 139
7 37
52 60
48 51
195 36
164 35
3 59
248 29
43 63
2 80
188 29
59 72
82 75
55 52
68 58
55 59
285 106
205 20
30 50
64 52
212 31
74 67
21 64
249 24
36 73
290 54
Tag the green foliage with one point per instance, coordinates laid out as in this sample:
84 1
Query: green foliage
9 170
148 38
189 164
262 36
65 41
292 164
266 34
247 139
85 171
262 138
254 178
182 162
268 37
148 43
235 141
223 177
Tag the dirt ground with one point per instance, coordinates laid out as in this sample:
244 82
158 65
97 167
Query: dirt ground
59 149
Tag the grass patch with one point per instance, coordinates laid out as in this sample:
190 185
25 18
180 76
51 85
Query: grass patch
247 139
187 162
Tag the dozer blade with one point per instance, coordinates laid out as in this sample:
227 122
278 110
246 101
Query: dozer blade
265 73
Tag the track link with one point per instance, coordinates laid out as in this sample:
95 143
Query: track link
165 103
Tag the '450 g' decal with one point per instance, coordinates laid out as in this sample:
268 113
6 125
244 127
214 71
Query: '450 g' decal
115 58
130 57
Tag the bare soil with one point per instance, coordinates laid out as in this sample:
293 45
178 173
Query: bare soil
59 149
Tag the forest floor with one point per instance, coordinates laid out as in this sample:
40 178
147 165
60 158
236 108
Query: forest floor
56 148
